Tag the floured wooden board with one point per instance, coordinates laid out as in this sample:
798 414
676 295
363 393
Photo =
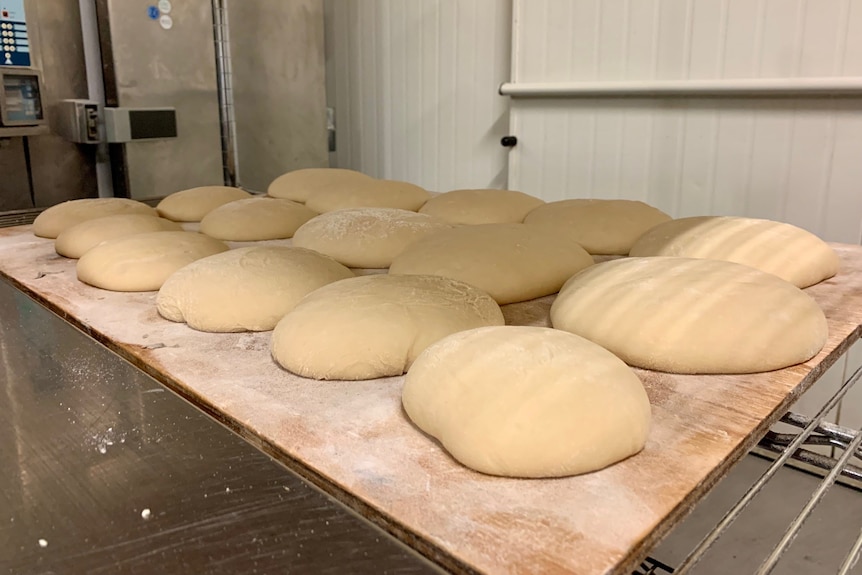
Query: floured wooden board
353 439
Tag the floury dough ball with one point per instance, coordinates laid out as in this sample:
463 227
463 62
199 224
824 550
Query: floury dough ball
246 289
56 219
74 242
299 185
527 402
369 193
193 204
602 227
255 219
375 326
144 261
366 237
791 253
691 316
481 206
512 262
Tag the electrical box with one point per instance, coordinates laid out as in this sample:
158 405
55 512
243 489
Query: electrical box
78 121
21 97
133 124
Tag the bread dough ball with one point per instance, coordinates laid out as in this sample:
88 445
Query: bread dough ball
193 204
144 261
375 326
691 316
79 239
481 206
255 219
298 185
512 262
246 289
603 227
54 220
527 402
366 237
368 193
791 253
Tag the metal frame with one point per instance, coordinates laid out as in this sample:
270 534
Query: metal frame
789 451
18 71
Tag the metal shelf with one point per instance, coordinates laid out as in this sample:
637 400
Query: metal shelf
785 449
18 131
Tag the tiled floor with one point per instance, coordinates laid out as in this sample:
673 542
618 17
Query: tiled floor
820 548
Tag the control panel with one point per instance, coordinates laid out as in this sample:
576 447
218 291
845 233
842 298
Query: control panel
14 39
20 98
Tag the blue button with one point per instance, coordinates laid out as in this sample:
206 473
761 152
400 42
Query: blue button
153 12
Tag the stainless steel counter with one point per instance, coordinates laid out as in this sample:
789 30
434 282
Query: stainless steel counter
104 470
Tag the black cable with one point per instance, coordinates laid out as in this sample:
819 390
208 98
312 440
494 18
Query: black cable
29 167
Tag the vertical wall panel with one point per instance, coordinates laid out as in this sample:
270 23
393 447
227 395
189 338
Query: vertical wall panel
781 158
414 87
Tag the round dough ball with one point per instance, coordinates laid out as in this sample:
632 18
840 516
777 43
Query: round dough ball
691 316
255 219
298 185
512 262
527 402
791 253
481 206
56 219
193 204
375 326
247 289
366 237
603 227
368 193
144 261
79 239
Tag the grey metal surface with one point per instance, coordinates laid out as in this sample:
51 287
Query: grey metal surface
154 67
14 186
102 470
61 170
279 92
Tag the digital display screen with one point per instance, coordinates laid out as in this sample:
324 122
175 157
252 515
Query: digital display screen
21 99
153 124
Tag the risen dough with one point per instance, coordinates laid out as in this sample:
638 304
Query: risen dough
512 262
789 252
375 326
247 289
368 193
144 261
366 237
57 218
481 206
298 185
255 219
527 402
603 227
193 204
691 316
79 239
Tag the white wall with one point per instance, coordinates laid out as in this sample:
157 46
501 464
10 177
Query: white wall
414 84
792 159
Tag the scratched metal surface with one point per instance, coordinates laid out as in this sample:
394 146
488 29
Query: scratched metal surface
103 470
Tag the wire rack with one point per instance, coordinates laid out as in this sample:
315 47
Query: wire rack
786 449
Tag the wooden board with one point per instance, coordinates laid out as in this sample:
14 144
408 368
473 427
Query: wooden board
353 439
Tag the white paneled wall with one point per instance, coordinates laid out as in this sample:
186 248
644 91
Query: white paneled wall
795 159
414 87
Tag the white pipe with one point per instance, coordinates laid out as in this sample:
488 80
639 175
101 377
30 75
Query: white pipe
827 86
96 91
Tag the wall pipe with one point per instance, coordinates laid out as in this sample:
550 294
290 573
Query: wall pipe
764 87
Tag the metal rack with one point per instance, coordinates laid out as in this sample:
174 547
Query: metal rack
786 449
